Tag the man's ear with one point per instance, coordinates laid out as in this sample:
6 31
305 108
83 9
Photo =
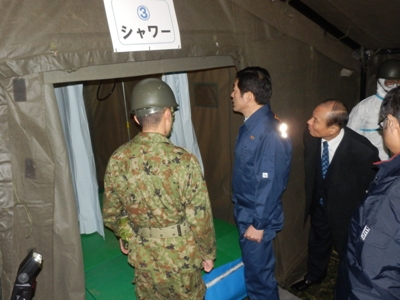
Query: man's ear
167 113
136 120
248 96
392 123
334 129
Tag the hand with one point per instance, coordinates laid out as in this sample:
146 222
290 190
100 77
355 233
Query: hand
253 234
121 245
208 265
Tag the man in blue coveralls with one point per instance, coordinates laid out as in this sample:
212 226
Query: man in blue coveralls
260 174
370 264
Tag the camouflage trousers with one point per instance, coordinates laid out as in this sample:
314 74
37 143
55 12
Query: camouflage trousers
164 285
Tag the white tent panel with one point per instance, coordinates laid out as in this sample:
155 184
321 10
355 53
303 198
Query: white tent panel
183 134
76 130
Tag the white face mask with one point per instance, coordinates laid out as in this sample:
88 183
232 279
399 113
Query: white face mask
381 83
383 89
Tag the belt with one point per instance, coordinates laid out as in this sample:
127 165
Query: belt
164 232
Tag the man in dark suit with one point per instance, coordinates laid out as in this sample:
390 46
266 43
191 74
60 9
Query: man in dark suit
333 192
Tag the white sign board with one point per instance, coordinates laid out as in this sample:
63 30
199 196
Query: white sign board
140 25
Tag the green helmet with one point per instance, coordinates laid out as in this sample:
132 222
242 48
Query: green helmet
389 69
151 95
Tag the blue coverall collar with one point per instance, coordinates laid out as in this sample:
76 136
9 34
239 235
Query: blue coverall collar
265 109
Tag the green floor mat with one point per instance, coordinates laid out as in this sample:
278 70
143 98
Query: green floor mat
97 250
108 275
89 296
223 228
111 280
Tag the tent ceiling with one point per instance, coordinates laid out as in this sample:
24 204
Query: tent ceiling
373 24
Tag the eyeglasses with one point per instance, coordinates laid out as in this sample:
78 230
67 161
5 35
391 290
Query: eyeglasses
380 123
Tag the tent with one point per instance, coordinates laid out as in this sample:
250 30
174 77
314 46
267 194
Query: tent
47 44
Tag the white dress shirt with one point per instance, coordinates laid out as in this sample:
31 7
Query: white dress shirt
333 144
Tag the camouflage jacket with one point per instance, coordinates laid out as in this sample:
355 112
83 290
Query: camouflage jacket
159 185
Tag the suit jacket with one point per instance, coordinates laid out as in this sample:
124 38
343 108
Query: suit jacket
346 182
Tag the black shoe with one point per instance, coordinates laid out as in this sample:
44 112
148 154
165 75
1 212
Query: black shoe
303 284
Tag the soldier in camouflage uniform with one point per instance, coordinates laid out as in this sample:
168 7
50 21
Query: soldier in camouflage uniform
166 218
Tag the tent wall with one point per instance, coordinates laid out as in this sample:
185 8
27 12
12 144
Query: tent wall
283 20
216 127
37 189
44 42
107 118
44 36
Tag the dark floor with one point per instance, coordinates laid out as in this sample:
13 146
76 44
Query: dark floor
323 291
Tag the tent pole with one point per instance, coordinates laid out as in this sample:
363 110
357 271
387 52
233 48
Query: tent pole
126 111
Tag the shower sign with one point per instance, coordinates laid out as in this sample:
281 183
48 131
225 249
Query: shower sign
142 25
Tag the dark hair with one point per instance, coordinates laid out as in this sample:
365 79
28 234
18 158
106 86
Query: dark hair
391 104
150 120
339 114
256 80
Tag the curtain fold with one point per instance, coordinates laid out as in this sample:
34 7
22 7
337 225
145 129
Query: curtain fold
183 133
76 130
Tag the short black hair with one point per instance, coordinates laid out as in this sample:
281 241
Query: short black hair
151 120
391 104
339 115
256 80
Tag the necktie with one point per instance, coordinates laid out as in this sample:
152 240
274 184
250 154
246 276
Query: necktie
325 159
324 164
